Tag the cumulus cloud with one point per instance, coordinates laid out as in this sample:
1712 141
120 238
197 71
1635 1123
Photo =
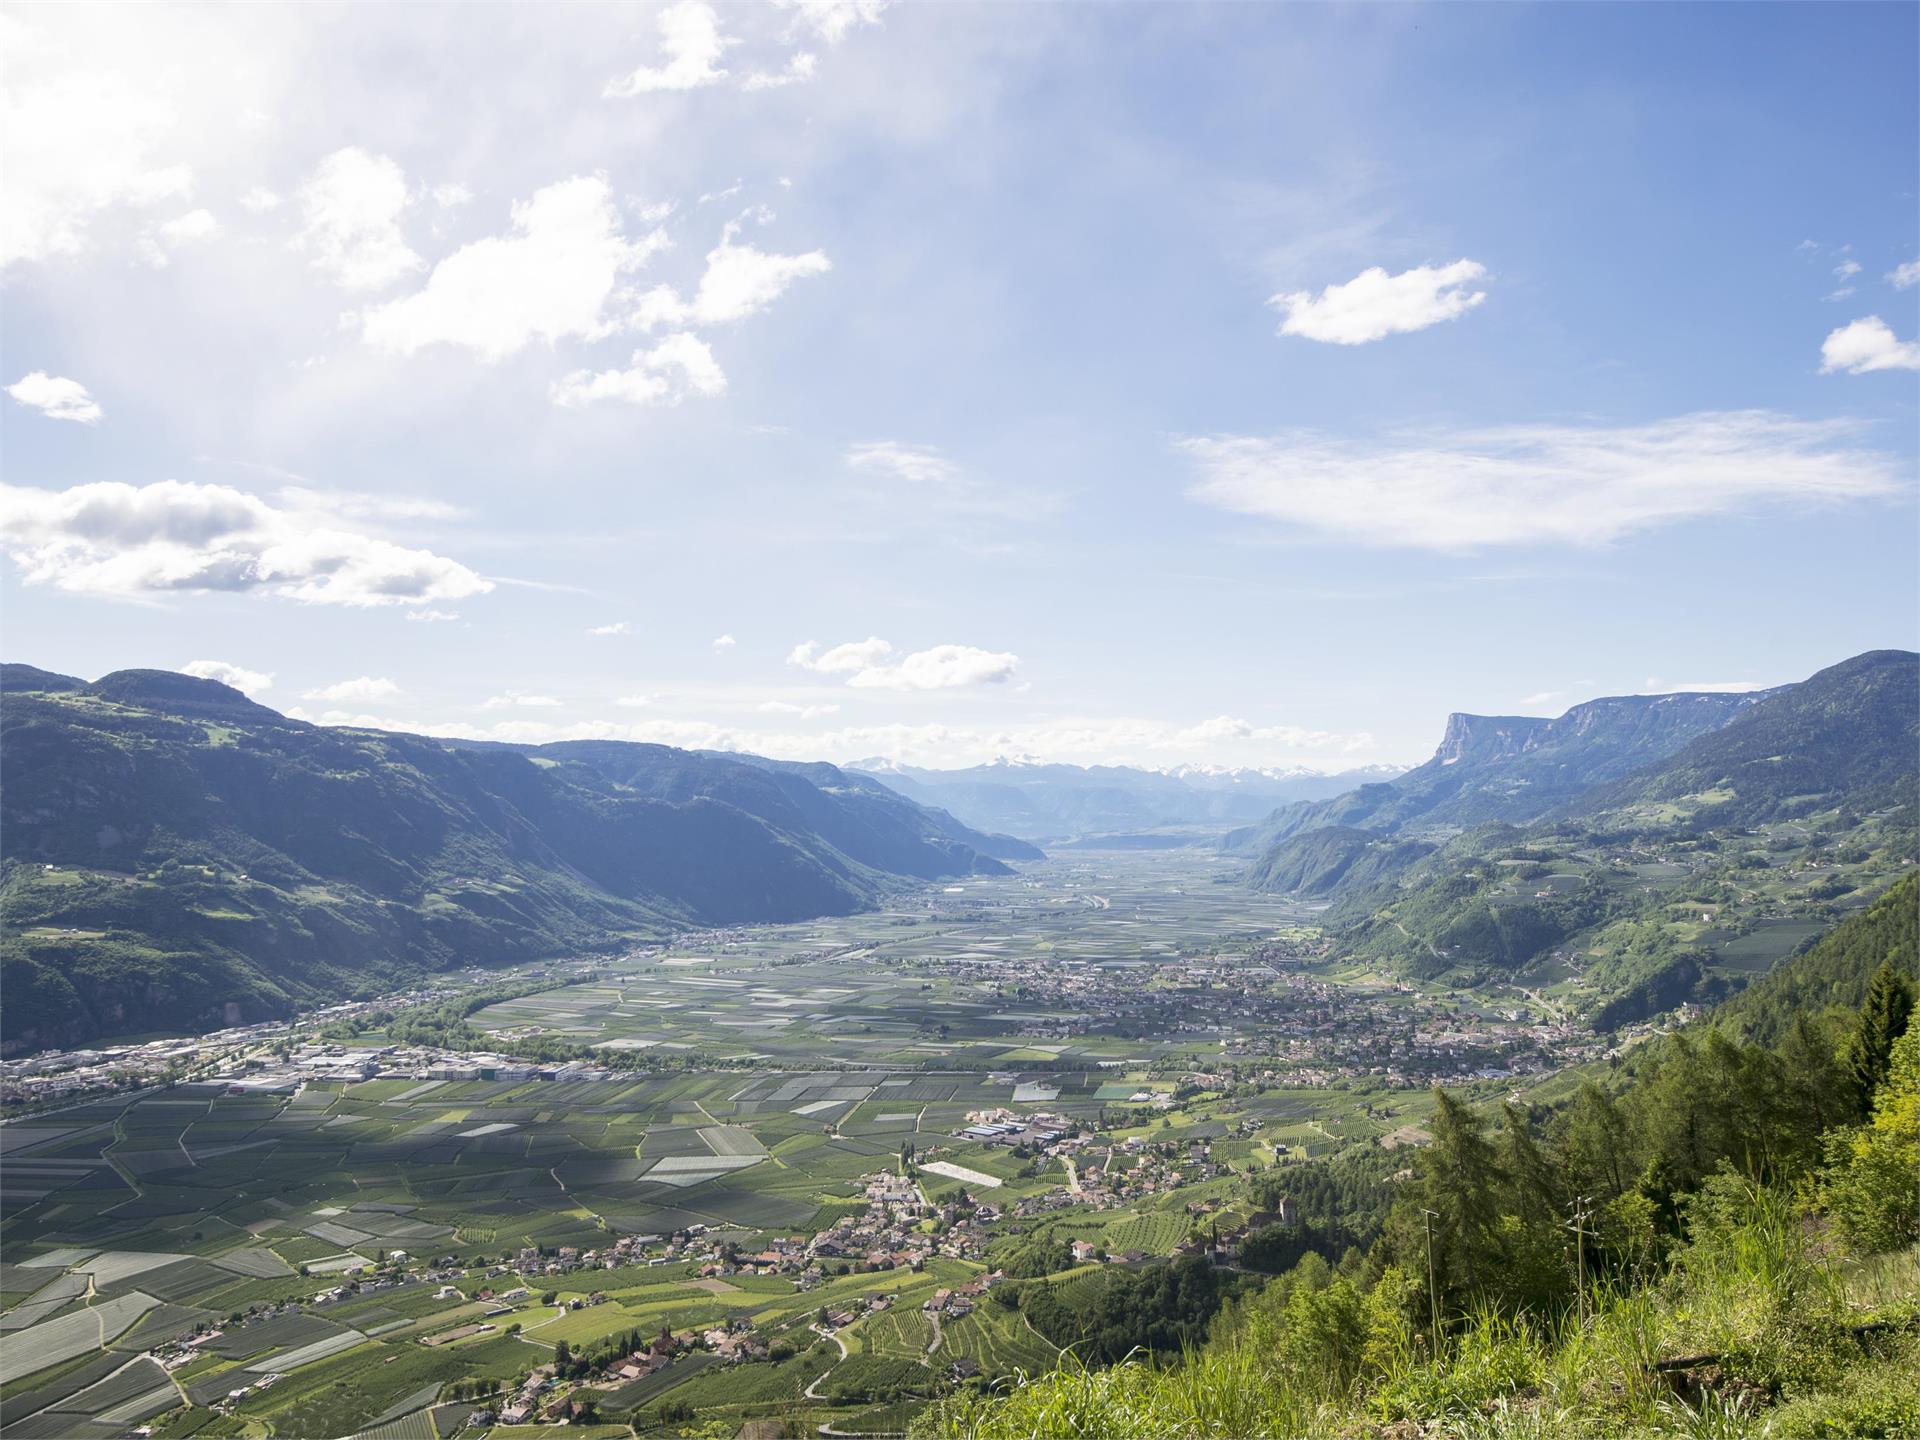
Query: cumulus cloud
514 699
1905 276
247 682
870 664
259 200
916 464
350 210
76 138
171 536
740 280
616 627
724 642
193 226
831 20
634 702
433 617
800 68
1374 304
549 278
451 195
1537 484
365 687
691 46
1865 346
56 397
799 712
679 366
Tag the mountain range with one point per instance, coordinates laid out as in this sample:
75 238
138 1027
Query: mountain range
1847 733
1674 881
1511 767
1052 803
172 853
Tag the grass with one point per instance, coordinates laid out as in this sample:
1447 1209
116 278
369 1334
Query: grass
1773 1310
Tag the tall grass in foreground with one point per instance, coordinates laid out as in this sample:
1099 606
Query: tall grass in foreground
1768 1318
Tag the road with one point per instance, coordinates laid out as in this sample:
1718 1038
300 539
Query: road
812 1391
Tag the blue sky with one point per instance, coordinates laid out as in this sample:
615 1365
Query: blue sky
1163 384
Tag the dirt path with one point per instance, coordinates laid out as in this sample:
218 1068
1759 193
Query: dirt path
937 1336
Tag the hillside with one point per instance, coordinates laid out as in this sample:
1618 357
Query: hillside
1334 858
1045 802
175 854
1512 768
1835 971
1847 735
1680 882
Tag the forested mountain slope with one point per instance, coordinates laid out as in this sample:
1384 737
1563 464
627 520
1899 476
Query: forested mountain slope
1511 767
1678 882
175 854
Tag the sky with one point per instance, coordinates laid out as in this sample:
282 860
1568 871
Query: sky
1153 384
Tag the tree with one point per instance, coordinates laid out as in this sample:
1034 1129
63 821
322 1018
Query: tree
1883 1020
1872 1182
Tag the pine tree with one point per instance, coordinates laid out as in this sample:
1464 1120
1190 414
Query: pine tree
1883 1020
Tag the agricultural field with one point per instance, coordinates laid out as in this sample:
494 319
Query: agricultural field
330 1257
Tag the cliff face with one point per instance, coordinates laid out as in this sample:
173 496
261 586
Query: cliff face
1513 768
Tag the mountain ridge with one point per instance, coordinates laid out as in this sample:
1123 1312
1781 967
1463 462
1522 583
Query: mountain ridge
171 849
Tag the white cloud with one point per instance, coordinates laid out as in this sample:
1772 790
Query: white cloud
1865 346
680 365
847 659
1905 276
350 211
1374 304
634 702
76 137
1537 484
433 617
451 195
259 200
1225 728
193 226
799 712
692 45
515 699
116 539
1846 269
832 19
801 67
740 280
1544 697
549 278
56 397
247 682
870 665
366 687
616 627
724 642
917 464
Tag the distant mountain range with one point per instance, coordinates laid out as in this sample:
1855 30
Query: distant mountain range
1513 768
174 854
1051 803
